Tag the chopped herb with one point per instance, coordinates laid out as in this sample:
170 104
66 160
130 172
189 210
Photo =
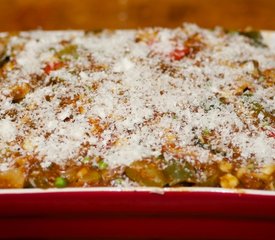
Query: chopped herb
102 165
60 182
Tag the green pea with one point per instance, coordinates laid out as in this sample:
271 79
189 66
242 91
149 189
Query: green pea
86 159
60 182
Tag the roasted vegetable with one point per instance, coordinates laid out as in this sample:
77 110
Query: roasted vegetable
146 173
13 178
178 172
255 37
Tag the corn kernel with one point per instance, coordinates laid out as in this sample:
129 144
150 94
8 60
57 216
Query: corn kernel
225 166
229 181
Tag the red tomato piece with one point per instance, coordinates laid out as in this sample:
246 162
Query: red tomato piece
53 66
271 134
179 54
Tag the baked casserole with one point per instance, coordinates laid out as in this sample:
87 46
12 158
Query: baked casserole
149 107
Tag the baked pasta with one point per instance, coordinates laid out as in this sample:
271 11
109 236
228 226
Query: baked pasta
149 107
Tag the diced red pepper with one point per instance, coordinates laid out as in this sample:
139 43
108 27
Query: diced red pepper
271 134
53 66
179 54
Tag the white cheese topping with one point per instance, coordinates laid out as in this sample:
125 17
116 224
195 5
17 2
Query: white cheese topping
123 95
7 130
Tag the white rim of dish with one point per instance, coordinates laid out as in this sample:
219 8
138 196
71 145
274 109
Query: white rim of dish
155 190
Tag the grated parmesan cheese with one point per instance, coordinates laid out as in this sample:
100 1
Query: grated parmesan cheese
7 130
122 94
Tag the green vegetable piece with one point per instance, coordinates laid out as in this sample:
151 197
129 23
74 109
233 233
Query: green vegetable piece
68 50
86 159
60 182
255 36
146 174
102 165
178 172
93 177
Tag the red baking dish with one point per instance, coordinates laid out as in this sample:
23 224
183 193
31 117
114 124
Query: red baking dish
152 213
138 213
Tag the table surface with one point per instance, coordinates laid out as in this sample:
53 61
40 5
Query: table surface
93 14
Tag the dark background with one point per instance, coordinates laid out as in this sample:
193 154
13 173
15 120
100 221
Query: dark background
93 14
